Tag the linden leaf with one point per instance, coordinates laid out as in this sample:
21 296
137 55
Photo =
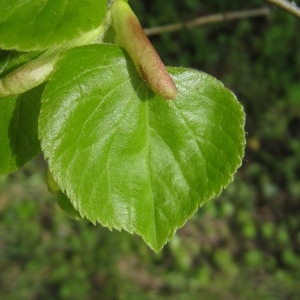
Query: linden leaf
129 159
27 25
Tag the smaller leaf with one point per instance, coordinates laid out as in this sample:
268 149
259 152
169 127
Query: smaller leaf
18 129
62 200
66 205
51 183
41 24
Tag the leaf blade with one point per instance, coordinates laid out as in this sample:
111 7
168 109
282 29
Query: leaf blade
18 129
38 25
129 159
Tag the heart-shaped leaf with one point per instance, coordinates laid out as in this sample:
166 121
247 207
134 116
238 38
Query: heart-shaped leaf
129 159
18 129
27 25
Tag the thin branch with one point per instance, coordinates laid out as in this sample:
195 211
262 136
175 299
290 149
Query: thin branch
290 7
216 18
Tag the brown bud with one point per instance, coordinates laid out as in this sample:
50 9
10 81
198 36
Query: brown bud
130 35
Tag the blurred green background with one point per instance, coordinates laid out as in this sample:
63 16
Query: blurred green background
243 245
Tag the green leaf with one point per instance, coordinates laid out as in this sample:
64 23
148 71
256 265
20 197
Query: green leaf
62 200
18 129
27 25
66 205
51 183
129 159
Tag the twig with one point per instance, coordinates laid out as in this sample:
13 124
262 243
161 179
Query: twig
291 8
229 16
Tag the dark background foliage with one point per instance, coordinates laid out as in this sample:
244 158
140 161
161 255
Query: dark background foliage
243 245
